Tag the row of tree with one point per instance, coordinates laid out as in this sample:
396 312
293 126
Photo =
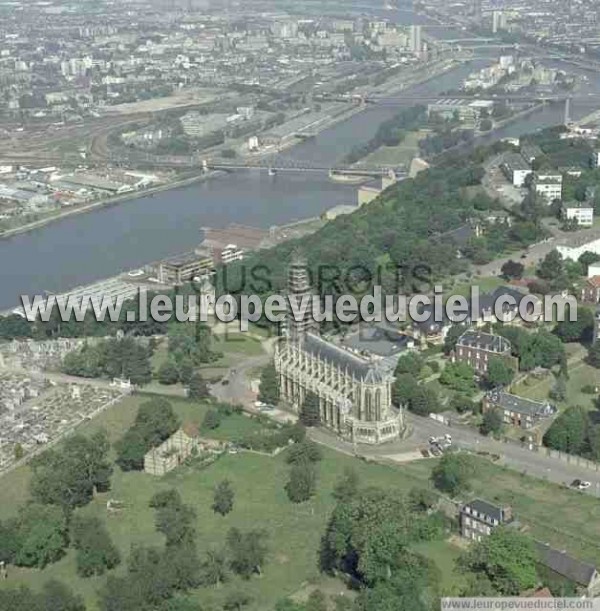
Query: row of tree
112 358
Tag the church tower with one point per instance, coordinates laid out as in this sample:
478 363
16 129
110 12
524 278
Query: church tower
299 319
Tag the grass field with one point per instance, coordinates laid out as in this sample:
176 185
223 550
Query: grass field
261 502
565 518
401 154
233 346
580 374
445 555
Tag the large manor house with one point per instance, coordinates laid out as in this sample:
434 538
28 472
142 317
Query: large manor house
354 389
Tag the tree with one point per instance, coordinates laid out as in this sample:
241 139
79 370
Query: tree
247 551
460 377
453 473
212 419
347 487
174 519
214 568
269 385
512 270
56 596
198 388
18 451
507 558
42 535
411 362
369 535
424 401
576 330
168 373
302 483
236 600
594 355
223 498
551 266
317 601
96 553
68 476
462 404
155 421
558 392
492 422
310 412
454 332
569 431
499 373
305 451
404 388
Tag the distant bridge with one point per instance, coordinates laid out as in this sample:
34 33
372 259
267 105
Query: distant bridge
512 97
280 164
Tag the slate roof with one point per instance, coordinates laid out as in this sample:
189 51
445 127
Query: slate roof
484 341
359 367
519 405
377 339
430 325
560 562
488 300
486 509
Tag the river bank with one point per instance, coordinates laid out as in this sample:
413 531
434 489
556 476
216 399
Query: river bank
106 203
438 69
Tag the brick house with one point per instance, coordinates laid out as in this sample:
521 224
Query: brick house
517 411
477 348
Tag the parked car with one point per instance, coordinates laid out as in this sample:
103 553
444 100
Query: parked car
580 484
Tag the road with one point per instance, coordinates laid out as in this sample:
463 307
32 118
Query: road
512 455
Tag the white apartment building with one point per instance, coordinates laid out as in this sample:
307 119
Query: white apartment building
548 186
578 247
582 212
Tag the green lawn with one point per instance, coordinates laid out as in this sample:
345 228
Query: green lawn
445 555
233 346
580 374
486 284
261 502
565 518
393 155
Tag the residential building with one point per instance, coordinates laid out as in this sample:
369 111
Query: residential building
582 212
477 348
590 292
478 518
451 109
230 253
516 168
595 161
593 270
596 335
415 39
583 574
517 411
429 330
508 298
530 152
185 267
547 186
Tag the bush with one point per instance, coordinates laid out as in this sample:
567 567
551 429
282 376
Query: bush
212 419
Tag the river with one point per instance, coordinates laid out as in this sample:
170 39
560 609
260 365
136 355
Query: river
82 248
